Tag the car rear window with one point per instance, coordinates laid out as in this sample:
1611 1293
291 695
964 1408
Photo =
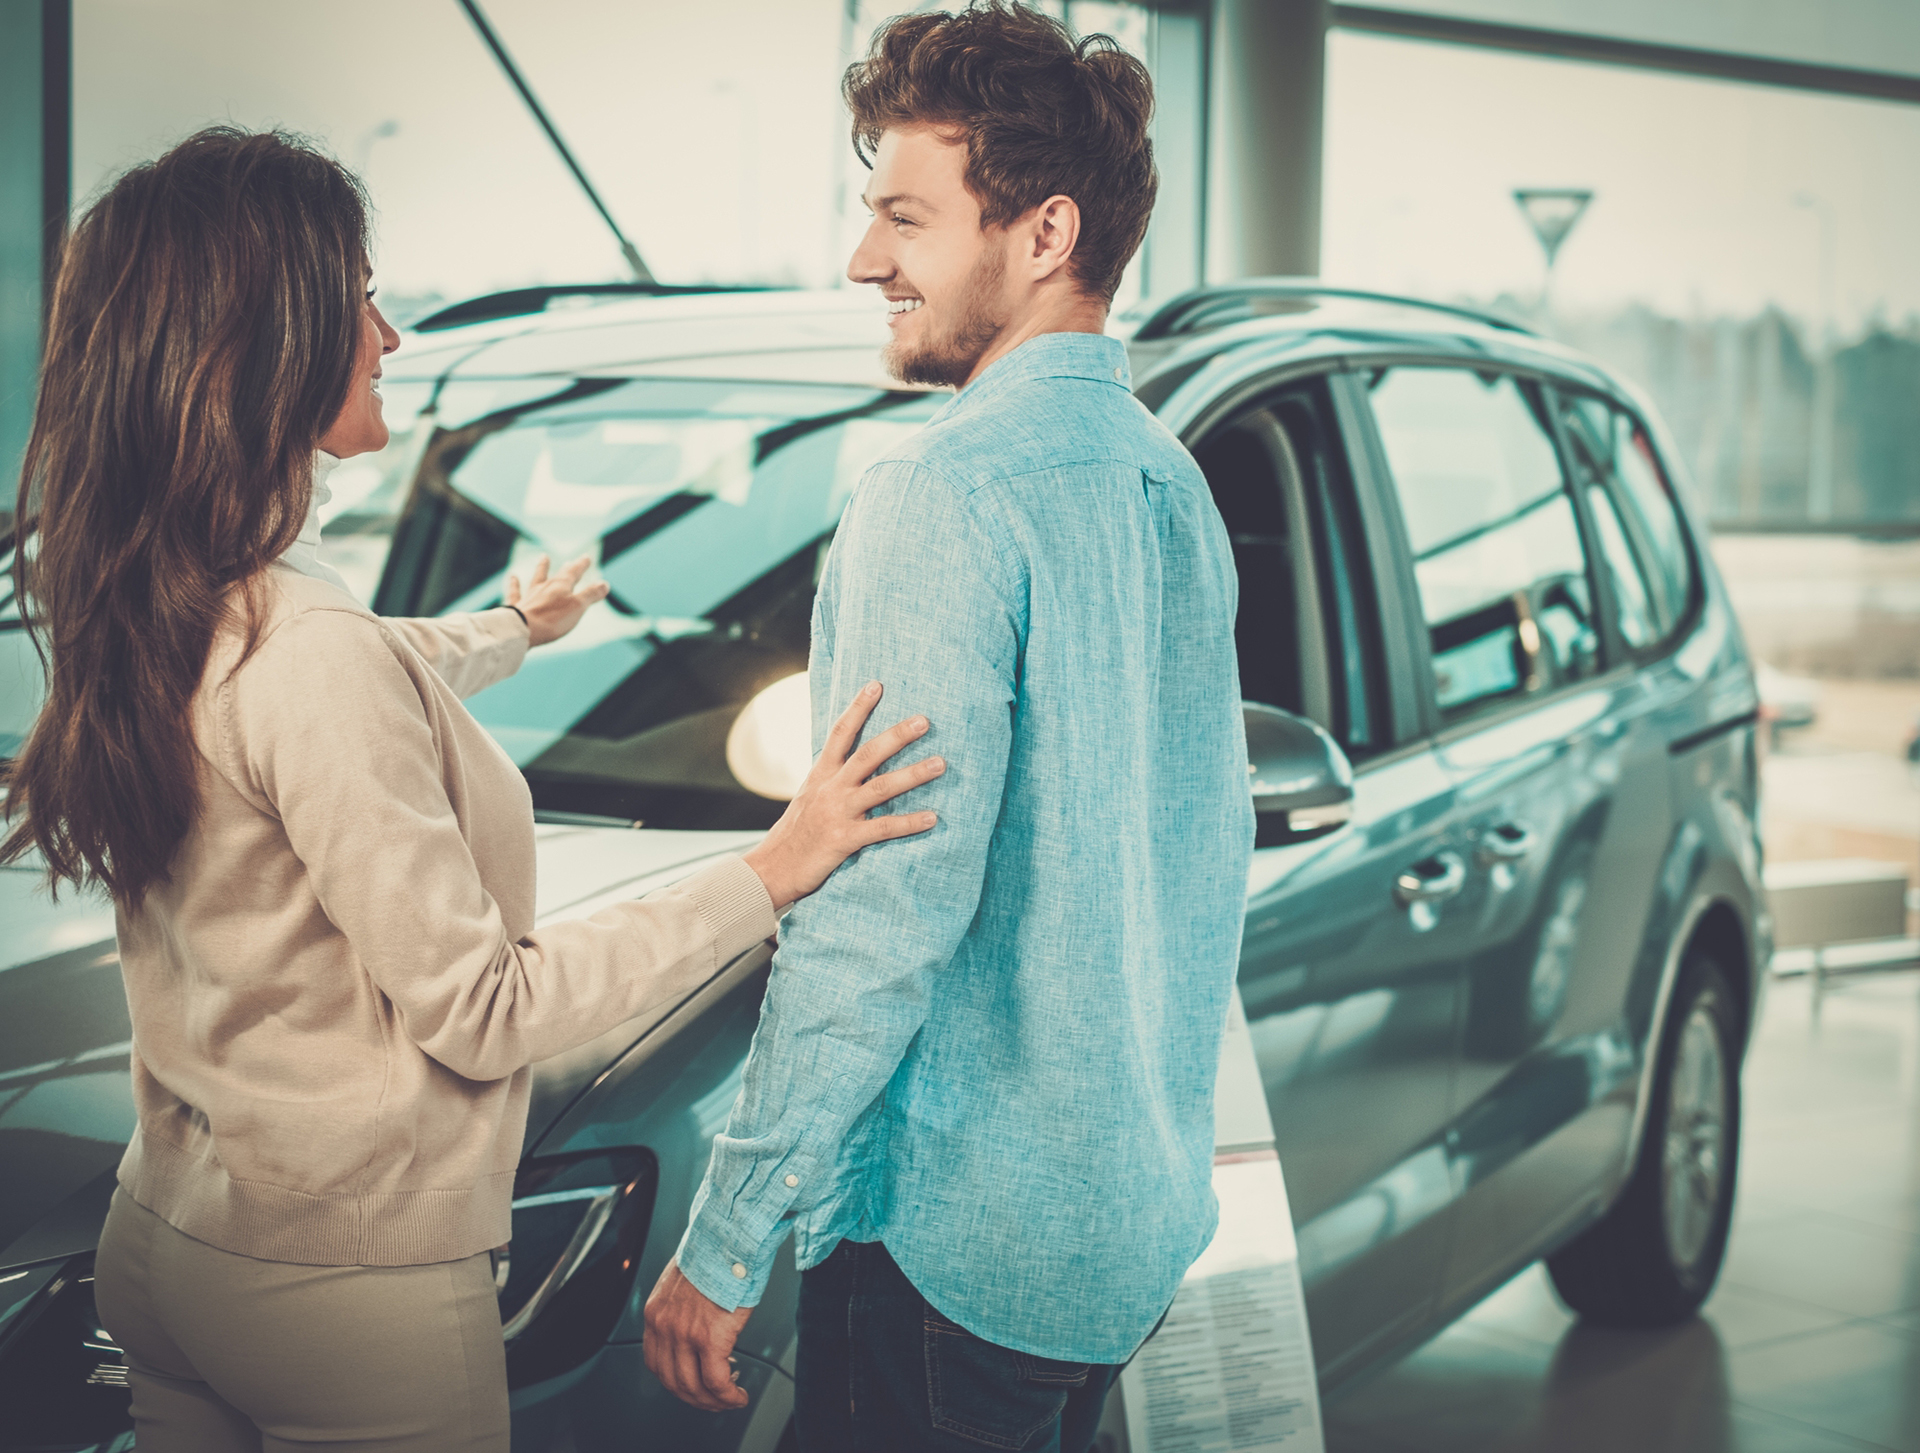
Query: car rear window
1642 537
1497 553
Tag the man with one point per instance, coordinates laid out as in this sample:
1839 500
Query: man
981 1091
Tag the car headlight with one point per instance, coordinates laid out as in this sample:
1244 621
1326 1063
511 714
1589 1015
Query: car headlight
579 1223
62 1384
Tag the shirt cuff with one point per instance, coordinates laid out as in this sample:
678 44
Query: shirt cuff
729 1277
733 903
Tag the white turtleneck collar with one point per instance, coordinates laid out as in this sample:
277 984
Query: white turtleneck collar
304 554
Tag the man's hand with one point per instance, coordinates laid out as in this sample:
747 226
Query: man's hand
554 607
689 1342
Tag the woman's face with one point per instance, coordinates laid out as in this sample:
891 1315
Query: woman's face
358 428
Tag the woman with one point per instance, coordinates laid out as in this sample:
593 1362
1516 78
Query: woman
323 868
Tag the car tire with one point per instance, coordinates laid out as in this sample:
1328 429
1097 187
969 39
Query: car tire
1653 1258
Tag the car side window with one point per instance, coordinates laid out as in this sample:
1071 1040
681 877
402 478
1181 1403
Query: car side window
1496 545
1307 633
1641 535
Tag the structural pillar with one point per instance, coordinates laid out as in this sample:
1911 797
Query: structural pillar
1268 77
36 169
1174 258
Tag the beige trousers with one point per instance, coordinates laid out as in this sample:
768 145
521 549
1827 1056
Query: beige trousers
227 1353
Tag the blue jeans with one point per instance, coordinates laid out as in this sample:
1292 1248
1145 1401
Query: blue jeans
881 1371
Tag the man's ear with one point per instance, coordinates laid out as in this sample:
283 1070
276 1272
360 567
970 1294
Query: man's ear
1055 230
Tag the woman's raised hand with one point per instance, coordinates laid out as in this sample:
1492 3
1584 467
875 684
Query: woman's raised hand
827 822
554 606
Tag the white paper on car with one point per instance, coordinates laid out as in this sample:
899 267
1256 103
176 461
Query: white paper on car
1231 1369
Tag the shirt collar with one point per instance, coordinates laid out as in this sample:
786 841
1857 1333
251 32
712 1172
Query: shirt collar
1090 356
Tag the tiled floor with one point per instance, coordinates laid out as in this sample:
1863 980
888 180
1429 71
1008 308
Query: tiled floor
1811 1342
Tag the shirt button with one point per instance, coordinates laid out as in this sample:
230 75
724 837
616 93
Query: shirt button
740 1270
793 1180
1119 375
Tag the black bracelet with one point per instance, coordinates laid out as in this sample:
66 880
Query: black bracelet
523 617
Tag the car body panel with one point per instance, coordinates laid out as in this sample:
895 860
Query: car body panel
66 1100
1351 1008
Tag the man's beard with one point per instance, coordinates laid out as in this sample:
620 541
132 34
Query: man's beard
948 360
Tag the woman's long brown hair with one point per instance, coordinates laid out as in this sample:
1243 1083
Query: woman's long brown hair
205 326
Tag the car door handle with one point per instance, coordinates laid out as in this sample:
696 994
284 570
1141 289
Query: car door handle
1507 843
1431 879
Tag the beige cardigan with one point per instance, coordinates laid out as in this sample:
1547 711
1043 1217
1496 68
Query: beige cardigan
336 998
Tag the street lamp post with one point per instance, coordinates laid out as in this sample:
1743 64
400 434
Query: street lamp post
1820 445
1551 212
363 149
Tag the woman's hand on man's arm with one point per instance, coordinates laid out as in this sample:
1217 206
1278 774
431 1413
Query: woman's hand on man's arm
827 822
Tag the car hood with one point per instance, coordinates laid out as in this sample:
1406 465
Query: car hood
66 1098
608 865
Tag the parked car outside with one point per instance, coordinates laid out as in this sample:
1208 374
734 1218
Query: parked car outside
1786 702
1499 986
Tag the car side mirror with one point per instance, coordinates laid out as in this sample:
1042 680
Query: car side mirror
1302 782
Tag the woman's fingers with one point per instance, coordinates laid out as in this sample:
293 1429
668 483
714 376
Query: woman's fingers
538 574
512 593
865 762
846 731
890 785
570 577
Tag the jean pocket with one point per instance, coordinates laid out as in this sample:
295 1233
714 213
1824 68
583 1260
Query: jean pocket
990 1394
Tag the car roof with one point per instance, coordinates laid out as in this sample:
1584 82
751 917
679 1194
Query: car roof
836 337
788 337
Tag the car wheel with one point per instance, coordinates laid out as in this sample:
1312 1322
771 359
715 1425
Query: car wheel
1653 1258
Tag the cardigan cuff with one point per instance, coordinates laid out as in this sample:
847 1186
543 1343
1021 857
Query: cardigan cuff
733 903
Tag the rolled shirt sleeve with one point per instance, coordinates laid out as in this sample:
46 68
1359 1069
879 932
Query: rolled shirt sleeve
850 983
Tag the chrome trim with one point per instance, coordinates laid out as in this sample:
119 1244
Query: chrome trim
1411 887
1313 819
599 1212
1497 847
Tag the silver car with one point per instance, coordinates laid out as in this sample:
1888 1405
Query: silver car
1504 923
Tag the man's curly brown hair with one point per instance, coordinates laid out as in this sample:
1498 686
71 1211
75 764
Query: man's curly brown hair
1043 115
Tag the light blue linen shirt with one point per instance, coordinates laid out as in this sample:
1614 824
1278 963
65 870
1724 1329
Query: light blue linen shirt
993 1047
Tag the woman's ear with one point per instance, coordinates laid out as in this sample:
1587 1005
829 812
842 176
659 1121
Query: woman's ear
1056 228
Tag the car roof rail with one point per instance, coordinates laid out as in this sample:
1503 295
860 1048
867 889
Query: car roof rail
517 302
1218 304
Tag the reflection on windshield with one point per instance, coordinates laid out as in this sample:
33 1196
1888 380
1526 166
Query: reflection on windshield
708 508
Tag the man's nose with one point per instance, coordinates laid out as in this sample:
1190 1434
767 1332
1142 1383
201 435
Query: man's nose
869 263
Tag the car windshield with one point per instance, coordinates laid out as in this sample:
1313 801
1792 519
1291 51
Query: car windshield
707 507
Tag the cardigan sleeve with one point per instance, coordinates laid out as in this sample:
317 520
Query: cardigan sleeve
330 731
468 651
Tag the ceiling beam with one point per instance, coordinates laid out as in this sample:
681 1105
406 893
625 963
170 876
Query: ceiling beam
1643 55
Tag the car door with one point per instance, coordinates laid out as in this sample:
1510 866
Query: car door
1547 733
1348 970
